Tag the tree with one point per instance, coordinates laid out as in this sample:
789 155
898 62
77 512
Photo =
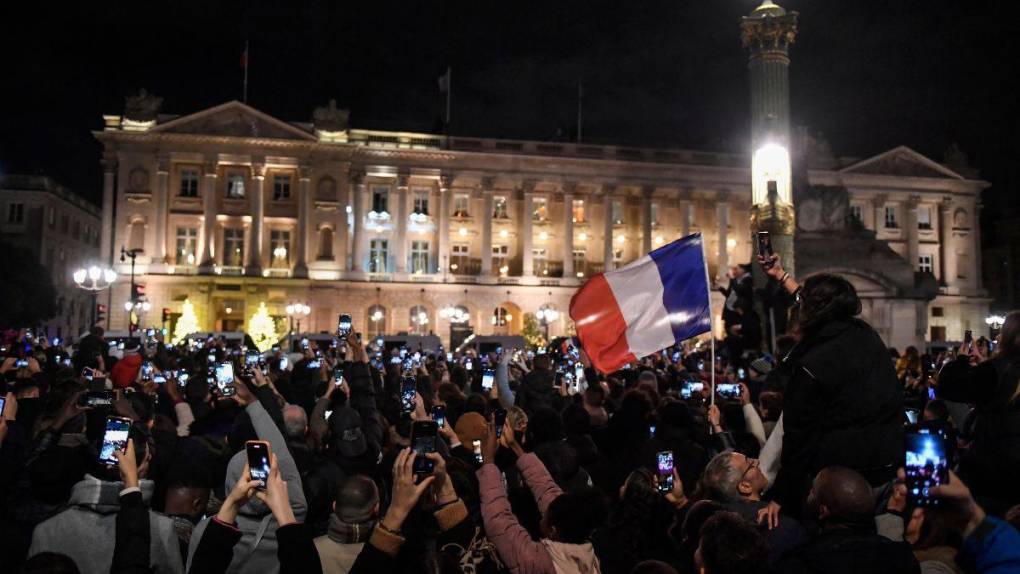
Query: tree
532 332
187 323
27 294
262 328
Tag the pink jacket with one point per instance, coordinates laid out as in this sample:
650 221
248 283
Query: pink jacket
516 549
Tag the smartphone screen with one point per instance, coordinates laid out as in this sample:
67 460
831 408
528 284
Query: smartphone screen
578 372
911 415
449 357
477 444
114 439
651 431
665 468
439 415
258 461
343 325
728 390
488 378
926 465
765 245
741 373
338 376
467 365
146 371
407 390
423 441
3 403
225 379
88 373
498 419
968 336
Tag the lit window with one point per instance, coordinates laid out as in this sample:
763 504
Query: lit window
233 247
279 247
378 256
187 242
540 261
419 320
381 199
617 212
189 182
923 217
856 213
281 187
421 202
924 264
501 317
890 217
461 202
578 211
420 255
16 213
376 320
499 258
499 209
539 209
459 258
580 260
655 213
235 186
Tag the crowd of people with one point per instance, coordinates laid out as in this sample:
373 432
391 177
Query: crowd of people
790 462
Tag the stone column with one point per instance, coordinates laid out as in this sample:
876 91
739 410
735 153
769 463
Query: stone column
686 217
878 202
109 177
568 230
209 200
975 227
443 224
527 257
948 244
357 181
258 173
607 226
487 207
910 229
401 228
162 208
646 219
722 219
304 218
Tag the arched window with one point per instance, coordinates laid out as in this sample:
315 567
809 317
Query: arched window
419 320
501 318
326 244
376 321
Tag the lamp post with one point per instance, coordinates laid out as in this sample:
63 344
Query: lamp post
297 311
134 301
546 315
994 323
94 279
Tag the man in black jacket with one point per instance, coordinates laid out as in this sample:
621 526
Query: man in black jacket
843 404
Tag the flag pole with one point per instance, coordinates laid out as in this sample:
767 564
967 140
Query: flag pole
449 95
711 319
580 104
244 96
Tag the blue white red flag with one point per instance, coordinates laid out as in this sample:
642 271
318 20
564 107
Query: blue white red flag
645 306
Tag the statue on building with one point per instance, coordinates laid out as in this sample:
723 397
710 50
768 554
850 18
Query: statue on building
330 118
142 107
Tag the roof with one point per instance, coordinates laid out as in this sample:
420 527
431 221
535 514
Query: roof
46 184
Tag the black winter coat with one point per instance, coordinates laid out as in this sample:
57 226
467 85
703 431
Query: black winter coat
843 406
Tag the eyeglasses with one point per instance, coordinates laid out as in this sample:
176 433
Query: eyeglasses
752 463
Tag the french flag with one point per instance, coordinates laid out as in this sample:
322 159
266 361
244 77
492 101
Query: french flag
645 306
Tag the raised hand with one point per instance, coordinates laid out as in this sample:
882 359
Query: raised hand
405 492
275 495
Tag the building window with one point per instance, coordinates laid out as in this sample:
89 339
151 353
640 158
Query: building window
51 217
856 214
580 261
459 258
501 317
189 183
233 247
577 208
16 213
540 261
924 217
499 210
279 247
890 217
235 186
187 242
281 187
420 257
938 333
655 212
421 202
460 205
381 199
924 264
499 257
378 256
419 320
376 320
539 209
617 212
938 312
325 244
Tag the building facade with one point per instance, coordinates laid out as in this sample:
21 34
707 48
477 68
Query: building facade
412 232
62 231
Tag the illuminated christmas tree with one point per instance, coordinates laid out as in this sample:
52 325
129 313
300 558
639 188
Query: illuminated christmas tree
262 328
187 323
532 332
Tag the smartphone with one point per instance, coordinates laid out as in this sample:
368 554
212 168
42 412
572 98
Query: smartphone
114 439
701 365
407 391
283 363
146 371
741 374
439 415
665 468
258 461
498 420
449 357
338 376
314 364
926 465
159 379
21 363
578 373
3 403
931 393
488 378
96 399
88 373
225 379
728 390
968 336
182 378
467 364
911 415
765 247
343 325
56 341
403 352
304 343
423 441
477 444
568 378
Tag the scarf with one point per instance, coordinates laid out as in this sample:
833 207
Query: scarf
572 558
349 532
103 496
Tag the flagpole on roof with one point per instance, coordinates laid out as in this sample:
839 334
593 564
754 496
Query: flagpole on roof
244 64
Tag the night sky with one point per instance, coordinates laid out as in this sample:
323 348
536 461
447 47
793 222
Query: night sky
868 75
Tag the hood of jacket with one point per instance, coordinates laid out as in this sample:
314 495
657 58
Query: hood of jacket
103 496
572 558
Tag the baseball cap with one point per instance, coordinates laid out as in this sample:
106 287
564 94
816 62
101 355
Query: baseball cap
347 434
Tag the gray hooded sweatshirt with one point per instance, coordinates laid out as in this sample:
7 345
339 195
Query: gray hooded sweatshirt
256 551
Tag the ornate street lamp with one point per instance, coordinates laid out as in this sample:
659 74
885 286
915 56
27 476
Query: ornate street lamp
94 279
297 311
